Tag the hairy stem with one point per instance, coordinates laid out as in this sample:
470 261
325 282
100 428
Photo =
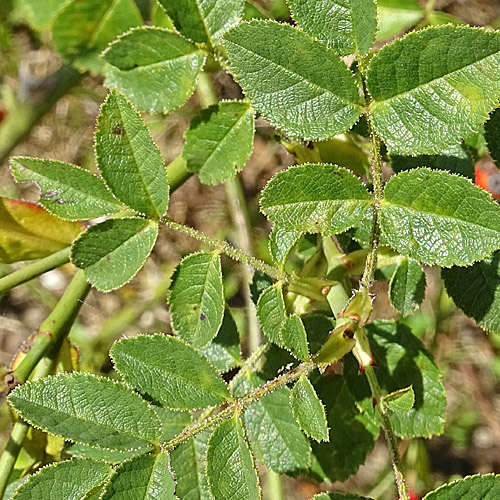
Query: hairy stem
227 249
238 405
362 349
34 270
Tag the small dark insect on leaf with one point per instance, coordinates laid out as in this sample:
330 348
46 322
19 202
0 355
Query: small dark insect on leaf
119 130
203 317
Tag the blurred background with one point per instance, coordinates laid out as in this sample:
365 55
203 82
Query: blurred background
61 127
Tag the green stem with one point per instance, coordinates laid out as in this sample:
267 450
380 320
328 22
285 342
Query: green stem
177 173
20 121
205 90
238 405
55 326
20 428
274 486
227 249
34 270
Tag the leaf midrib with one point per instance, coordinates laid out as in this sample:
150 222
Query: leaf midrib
386 203
303 78
376 102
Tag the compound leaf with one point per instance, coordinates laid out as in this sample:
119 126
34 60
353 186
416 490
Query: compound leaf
446 82
83 28
294 337
27 231
346 25
169 371
437 218
224 352
219 141
315 198
407 287
309 410
88 409
294 81
197 298
402 361
486 487
352 433
203 20
189 464
274 434
141 478
69 480
230 468
67 191
281 242
156 68
112 252
128 159
476 290
271 312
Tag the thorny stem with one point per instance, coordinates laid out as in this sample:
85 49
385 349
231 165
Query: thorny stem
34 270
227 249
362 349
238 405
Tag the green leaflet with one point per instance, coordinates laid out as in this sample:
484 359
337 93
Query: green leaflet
309 410
112 252
485 487
281 243
105 455
197 298
315 198
476 290
172 421
492 135
203 20
352 433
156 68
128 159
346 25
294 337
67 191
294 81
83 28
224 352
141 478
230 468
271 312
274 434
40 18
402 400
69 480
189 464
402 361
407 287
219 141
169 371
395 16
456 159
447 81
437 218
88 409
